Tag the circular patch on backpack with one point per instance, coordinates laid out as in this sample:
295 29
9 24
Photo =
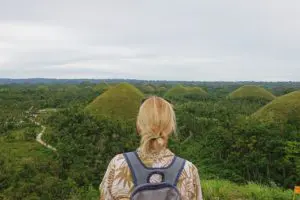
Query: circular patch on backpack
156 178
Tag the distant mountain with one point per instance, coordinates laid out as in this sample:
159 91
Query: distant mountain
54 81
133 81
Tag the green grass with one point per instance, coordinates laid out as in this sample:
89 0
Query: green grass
176 91
196 91
20 149
251 91
282 109
181 91
226 190
119 102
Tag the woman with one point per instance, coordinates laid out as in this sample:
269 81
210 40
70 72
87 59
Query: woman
155 122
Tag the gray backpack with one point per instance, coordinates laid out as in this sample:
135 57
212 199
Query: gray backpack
143 189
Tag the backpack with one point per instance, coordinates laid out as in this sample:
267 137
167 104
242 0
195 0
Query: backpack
143 189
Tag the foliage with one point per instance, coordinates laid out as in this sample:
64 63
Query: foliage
225 138
147 88
29 171
91 142
101 87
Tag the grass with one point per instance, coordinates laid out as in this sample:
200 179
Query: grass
196 91
251 91
181 91
119 102
282 109
226 190
176 91
16 153
20 149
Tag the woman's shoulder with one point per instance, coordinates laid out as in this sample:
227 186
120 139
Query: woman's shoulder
118 160
190 169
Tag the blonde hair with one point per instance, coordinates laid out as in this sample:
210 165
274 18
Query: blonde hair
156 120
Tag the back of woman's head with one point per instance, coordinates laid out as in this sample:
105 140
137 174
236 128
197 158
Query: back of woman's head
155 122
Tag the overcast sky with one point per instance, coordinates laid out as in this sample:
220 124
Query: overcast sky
207 40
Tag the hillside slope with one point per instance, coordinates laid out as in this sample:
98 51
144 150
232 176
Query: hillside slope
180 91
119 102
251 91
282 109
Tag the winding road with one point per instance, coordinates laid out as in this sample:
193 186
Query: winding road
40 135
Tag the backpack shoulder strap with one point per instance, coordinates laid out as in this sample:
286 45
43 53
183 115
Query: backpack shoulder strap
136 167
173 172
141 174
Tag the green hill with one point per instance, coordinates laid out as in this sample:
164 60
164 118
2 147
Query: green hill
282 109
196 91
119 102
251 91
180 91
176 91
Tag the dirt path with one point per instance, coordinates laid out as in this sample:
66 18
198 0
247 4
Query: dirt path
40 135
40 140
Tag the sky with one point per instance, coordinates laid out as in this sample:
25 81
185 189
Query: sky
192 40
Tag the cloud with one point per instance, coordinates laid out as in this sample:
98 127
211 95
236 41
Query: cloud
174 40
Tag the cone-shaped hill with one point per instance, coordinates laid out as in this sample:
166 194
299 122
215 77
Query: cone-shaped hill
251 91
118 102
177 91
282 109
196 91
180 91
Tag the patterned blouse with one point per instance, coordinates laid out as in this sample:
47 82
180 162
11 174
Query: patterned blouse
117 183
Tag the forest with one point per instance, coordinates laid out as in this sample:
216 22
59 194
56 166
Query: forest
244 137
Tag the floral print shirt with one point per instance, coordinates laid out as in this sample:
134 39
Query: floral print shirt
117 183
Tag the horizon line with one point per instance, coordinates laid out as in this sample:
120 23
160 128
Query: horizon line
132 79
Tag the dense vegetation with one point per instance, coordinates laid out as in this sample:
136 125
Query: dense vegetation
239 156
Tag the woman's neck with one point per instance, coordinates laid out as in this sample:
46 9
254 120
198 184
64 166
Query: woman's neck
153 154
